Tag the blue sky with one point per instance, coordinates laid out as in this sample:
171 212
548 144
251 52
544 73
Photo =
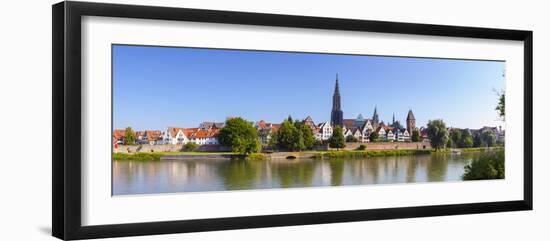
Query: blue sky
156 87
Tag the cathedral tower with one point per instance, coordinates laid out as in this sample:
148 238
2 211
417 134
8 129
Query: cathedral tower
337 115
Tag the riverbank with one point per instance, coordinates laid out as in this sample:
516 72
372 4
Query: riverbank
159 156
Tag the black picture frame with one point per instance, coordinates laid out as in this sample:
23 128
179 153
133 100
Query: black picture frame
66 127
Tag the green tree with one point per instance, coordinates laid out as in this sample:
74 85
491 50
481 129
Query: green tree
351 139
307 135
501 110
477 140
466 140
456 137
337 139
488 138
274 140
240 135
373 136
437 133
490 165
415 135
289 137
190 146
129 136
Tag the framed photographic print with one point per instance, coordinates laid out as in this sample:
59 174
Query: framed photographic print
169 120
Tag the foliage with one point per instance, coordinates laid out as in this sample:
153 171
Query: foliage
307 134
373 136
256 156
337 139
295 136
490 165
289 137
351 139
190 146
466 139
477 140
361 147
501 105
141 156
437 133
455 137
240 135
129 136
488 138
415 136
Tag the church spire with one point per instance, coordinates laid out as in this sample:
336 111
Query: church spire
337 116
375 120
337 88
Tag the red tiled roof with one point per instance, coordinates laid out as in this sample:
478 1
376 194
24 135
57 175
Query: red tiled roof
205 133
153 135
119 133
275 127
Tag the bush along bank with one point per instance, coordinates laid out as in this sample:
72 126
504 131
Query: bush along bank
490 165
141 156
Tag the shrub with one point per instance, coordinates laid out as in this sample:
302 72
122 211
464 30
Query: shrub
142 156
256 156
190 146
361 147
490 165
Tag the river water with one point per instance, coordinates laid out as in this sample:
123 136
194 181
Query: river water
134 177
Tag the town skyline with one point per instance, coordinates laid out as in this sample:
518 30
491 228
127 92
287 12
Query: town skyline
134 95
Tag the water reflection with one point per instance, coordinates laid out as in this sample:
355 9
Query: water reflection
217 175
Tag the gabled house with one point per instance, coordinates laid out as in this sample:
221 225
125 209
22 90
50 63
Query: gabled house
325 131
389 133
381 133
118 136
406 135
400 134
151 137
358 134
366 130
265 130
347 132
205 137
176 136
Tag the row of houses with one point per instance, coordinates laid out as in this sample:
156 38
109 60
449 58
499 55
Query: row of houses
359 128
205 134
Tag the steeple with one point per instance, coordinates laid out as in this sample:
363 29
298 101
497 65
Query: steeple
337 116
393 119
375 120
337 88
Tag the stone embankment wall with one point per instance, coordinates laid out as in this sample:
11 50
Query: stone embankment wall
166 148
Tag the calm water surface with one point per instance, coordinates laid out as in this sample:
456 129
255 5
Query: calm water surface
131 177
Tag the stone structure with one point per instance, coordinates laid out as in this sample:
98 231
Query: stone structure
337 115
411 122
